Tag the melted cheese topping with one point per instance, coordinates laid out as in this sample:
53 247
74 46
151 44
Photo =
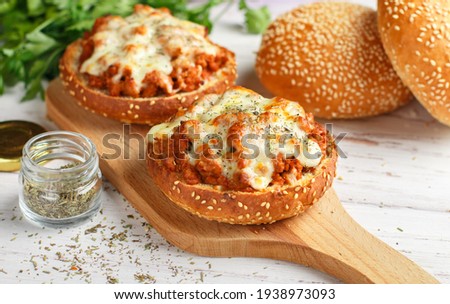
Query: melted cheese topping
269 127
144 42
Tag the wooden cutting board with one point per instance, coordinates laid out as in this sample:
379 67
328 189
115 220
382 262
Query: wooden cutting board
325 237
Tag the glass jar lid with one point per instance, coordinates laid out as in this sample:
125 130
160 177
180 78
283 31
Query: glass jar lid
13 136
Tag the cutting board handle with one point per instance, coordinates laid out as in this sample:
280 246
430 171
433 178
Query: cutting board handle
328 239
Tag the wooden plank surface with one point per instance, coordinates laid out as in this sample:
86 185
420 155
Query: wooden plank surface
325 237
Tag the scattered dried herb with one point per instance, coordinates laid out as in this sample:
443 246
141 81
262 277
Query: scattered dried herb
119 236
112 280
93 229
144 278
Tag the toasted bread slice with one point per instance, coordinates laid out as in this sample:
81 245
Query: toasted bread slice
245 208
212 159
137 110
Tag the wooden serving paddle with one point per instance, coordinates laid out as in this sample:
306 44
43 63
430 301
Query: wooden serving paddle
325 237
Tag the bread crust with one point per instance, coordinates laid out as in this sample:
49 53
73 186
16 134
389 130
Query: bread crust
244 208
137 110
329 57
415 37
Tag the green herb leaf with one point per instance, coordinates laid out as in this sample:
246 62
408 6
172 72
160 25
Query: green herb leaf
242 5
2 87
33 88
175 6
117 7
7 6
201 13
37 72
36 44
256 20
83 25
35 7
62 4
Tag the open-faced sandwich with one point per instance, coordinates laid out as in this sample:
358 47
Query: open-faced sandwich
144 67
240 158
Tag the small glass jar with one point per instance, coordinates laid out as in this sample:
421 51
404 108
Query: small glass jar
60 179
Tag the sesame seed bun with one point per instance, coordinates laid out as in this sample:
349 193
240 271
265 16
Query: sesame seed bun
244 208
416 37
329 57
137 110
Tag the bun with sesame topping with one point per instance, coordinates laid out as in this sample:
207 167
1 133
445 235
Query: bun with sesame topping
240 158
144 67
416 37
329 57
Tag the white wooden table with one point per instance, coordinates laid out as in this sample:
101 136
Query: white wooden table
395 182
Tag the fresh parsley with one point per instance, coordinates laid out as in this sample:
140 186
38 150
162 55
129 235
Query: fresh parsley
34 33
256 20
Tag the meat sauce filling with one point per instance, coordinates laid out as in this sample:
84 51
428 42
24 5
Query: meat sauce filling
174 152
185 76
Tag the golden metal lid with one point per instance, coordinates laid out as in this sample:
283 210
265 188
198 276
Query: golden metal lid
13 136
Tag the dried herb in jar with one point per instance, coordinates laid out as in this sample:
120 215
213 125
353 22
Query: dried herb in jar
61 199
